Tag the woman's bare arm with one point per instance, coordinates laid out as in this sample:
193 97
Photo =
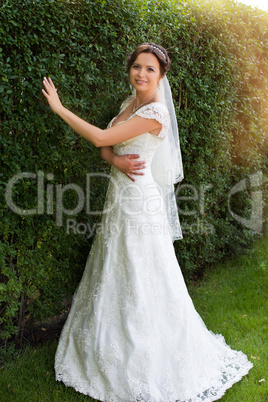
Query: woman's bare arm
110 136
108 155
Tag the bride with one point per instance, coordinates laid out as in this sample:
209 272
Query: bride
132 333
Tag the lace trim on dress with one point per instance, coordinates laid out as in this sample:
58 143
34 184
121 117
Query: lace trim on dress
156 111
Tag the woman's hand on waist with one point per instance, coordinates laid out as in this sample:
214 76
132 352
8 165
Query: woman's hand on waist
127 164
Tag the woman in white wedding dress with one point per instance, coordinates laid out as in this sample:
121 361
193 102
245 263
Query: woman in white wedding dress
133 333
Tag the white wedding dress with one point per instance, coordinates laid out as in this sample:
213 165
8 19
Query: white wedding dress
133 333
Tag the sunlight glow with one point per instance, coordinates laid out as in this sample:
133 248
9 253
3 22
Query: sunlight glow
262 4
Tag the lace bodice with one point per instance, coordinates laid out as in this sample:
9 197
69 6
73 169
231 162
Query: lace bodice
144 144
154 110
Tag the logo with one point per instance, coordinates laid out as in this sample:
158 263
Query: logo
255 222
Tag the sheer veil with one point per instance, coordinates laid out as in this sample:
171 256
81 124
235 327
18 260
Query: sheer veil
167 168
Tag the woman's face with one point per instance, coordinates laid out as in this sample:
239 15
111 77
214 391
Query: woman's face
144 73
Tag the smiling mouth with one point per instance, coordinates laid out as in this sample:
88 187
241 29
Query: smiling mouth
140 82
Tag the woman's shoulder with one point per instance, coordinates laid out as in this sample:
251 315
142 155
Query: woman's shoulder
154 110
126 103
155 106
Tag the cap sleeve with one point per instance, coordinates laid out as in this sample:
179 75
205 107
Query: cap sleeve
156 111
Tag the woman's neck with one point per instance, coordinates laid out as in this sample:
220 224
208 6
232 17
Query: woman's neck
143 97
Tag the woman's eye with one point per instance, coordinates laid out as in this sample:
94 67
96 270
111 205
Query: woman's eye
150 69
135 66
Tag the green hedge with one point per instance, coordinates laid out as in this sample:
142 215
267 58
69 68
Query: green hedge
219 79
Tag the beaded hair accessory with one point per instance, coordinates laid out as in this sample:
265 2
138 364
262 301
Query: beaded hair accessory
160 51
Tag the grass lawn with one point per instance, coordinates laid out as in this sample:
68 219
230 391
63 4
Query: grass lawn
232 299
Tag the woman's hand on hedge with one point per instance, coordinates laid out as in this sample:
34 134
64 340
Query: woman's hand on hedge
51 95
